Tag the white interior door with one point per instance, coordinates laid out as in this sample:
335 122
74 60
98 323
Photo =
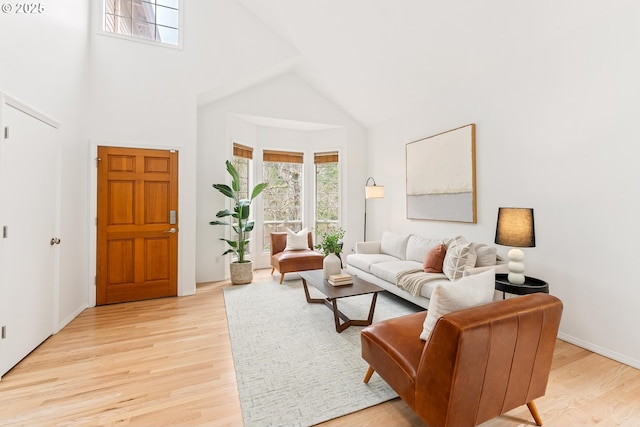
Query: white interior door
29 176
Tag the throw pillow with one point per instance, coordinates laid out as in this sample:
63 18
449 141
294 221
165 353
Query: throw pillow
465 293
460 254
486 255
297 241
434 259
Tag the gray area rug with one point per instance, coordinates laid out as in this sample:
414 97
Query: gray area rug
292 367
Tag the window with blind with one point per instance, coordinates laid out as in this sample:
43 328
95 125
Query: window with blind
327 200
282 200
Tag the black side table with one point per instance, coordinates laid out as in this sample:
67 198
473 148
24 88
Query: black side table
531 285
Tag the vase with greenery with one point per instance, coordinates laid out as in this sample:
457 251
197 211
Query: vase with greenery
331 242
239 223
331 245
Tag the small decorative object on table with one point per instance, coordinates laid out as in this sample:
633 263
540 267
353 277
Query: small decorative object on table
340 279
331 246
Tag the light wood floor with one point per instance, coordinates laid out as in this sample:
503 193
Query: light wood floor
167 362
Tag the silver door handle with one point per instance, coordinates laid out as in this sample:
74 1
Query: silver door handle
171 230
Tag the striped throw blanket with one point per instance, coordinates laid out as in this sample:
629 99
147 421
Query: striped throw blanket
413 280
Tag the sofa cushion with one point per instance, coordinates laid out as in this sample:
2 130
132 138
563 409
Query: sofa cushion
434 259
388 270
460 254
427 289
464 293
368 247
394 244
297 241
502 268
417 247
365 261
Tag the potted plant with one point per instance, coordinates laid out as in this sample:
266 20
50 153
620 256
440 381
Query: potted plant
331 245
241 269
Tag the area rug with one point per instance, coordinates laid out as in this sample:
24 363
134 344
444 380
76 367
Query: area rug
292 367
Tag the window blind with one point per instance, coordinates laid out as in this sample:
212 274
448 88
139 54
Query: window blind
242 151
329 157
282 156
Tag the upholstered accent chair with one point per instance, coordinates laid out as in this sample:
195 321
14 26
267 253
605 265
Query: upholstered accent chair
477 364
289 261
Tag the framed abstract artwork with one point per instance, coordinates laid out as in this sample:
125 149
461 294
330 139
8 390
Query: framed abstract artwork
441 176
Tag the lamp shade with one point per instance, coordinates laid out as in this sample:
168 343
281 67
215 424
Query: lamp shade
515 228
374 191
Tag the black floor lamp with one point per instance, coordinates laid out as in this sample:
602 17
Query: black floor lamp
371 192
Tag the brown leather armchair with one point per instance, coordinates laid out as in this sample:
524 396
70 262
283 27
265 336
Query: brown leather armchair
478 363
292 261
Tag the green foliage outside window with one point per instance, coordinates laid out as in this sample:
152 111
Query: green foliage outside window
282 201
327 198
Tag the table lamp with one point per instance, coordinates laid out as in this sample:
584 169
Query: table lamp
515 228
371 192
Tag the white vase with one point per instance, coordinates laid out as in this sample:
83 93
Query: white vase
331 265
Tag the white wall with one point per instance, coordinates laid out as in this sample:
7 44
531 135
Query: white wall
556 131
45 65
286 97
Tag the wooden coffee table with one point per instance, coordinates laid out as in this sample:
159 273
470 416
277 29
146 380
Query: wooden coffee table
334 293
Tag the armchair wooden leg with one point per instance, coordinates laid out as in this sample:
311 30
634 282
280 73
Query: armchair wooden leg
281 278
272 270
534 412
367 377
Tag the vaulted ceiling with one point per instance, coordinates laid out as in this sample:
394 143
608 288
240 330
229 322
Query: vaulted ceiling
379 58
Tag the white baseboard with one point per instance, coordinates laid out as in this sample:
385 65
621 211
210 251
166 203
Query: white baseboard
600 350
69 318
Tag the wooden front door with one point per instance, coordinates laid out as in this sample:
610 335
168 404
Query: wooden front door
137 236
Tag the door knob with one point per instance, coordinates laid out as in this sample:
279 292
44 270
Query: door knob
54 241
171 230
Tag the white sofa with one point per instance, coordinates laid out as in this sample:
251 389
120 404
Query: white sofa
398 257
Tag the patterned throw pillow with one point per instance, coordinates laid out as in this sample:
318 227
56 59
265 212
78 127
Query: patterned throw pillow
460 254
434 259
297 241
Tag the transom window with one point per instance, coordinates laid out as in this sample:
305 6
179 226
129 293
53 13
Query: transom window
153 20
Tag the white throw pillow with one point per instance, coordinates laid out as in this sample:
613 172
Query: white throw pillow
297 241
460 255
464 293
486 255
